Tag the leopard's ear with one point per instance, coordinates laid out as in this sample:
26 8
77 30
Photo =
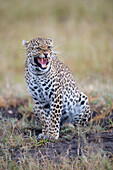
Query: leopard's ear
50 40
25 43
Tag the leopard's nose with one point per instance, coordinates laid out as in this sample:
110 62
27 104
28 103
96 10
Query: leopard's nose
46 54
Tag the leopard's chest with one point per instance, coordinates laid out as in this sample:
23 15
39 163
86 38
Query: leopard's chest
41 89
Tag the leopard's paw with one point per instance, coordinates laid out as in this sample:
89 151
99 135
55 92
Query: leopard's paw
42 136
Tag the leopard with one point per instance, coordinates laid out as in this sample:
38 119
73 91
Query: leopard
55 94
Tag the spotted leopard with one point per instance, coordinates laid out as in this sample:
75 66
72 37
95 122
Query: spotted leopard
56 98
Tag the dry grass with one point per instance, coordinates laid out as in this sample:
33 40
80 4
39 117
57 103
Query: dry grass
19 151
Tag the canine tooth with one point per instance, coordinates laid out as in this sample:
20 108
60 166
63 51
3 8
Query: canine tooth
41 59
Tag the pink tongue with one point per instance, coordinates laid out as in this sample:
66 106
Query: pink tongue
43 62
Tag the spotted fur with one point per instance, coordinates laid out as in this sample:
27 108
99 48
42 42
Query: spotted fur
56 98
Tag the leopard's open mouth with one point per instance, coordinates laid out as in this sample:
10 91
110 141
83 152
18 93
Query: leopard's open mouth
41 62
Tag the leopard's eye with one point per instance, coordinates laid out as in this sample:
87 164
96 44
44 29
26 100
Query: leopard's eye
38 48
49 46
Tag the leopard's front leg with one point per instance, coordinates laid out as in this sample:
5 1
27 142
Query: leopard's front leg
50 119
55 114
43 115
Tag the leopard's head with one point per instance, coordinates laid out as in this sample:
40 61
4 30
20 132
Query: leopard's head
39 54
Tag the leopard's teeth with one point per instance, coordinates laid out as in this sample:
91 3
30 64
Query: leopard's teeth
42 60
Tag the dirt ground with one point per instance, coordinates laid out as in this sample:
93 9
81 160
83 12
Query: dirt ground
70 143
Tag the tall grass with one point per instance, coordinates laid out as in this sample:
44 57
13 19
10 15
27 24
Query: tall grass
82 32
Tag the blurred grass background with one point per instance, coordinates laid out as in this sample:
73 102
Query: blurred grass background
82 31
